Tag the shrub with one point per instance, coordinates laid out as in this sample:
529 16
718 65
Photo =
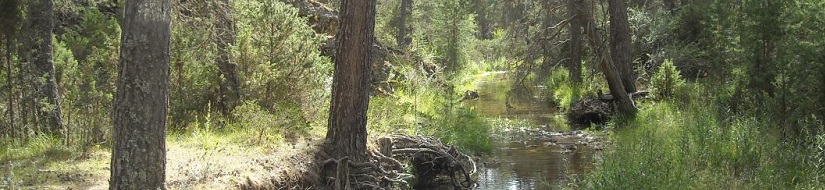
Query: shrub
279 59
277 56
265 126
666 80
564 93
85 61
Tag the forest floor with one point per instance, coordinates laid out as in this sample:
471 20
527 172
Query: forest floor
204 161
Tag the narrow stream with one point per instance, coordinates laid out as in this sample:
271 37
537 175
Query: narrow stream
537 156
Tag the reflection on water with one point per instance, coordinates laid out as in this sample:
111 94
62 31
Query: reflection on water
495 95
527 158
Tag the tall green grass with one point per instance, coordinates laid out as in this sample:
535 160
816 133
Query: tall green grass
677 145
564 92
422 106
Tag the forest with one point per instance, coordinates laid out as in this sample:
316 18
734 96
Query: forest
412 94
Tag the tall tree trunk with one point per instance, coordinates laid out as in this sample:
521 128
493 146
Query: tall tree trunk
347 131
620 43
139 150
513 14
401 39
10 80
23 102
576 23
483 20
350 89
822 88
22 73
763 71
230 87
614 81
48 106
9 14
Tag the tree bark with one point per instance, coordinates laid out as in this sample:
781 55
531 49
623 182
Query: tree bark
614 81
225 37
767 31
401 39
483 20
10 80
350 89
140 106
9 14
620 43
576 23
48 106
23 72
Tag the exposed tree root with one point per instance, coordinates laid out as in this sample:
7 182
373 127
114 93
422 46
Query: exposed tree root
429 158
387 166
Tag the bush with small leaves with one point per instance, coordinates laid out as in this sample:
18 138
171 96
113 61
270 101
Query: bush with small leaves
666 80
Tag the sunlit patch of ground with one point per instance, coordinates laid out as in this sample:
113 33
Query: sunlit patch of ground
193 162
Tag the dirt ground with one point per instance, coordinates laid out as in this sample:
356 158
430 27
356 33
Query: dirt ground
190 165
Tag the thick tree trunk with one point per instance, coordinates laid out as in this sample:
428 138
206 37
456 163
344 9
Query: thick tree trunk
139 150
576 24
48 106
620 43
225 37
614 80
401 39
347 132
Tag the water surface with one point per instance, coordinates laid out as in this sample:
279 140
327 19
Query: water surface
535 155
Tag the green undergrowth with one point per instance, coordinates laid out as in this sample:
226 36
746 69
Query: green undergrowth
565 93
429 113
44 162
684 145
426 106
41 149
212 141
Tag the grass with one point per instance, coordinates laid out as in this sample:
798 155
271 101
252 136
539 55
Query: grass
422 107
212 153
677 145
428 112
198 159
564 93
